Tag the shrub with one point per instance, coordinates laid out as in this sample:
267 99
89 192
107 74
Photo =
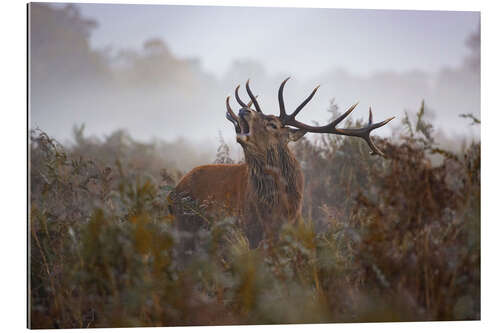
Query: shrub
380 239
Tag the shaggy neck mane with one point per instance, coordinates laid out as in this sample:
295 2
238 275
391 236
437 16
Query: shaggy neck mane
275 176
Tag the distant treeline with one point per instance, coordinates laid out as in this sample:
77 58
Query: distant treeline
154 93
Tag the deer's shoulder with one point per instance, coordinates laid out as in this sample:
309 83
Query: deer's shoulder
213 178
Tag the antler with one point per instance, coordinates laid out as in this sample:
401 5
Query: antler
240 102
252 97
363 132
232 117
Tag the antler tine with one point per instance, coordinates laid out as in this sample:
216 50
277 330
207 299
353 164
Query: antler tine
280 99
283 114
252 97
251 102
240 102
228 107
301 106
231 116
344 115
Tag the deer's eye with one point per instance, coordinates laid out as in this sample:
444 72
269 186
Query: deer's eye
272 125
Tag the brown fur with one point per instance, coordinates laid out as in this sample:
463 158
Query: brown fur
262 193
220 186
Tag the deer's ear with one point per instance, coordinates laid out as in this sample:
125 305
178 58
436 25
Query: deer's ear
295 134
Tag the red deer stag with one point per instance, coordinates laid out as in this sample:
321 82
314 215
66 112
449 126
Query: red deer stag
267 189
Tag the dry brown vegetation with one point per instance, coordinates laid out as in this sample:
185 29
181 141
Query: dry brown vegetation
391 239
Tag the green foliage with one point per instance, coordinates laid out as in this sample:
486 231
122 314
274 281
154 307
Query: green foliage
380 240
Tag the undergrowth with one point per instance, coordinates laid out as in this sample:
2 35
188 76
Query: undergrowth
394 239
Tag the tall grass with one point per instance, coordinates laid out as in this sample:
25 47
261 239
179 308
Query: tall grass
391 239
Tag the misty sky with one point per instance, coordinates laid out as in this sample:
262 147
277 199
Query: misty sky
163 71
360 41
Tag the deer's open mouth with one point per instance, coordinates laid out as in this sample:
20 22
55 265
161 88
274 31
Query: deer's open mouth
240 124
244 126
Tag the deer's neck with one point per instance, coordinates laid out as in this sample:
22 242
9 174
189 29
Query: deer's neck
276 179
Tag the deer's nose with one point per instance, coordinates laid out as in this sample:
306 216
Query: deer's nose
243 112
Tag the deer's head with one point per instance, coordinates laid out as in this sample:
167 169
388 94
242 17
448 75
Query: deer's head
256 131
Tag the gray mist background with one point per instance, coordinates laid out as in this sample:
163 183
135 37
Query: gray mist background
163 72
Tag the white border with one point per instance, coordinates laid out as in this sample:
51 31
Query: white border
13 165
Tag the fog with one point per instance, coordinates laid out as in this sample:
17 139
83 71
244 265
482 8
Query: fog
149 79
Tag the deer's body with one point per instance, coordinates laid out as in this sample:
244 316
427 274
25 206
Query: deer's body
221 186
266 190
262 193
